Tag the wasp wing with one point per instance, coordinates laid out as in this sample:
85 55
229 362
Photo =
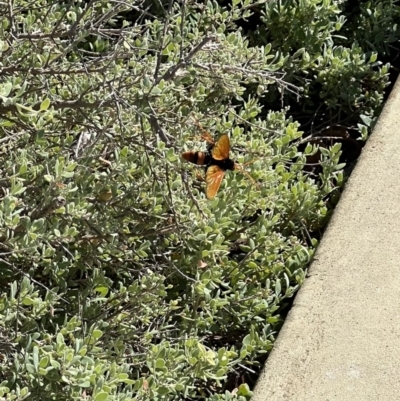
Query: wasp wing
214 176
220 150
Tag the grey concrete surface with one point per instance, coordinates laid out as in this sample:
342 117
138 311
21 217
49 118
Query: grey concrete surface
341 340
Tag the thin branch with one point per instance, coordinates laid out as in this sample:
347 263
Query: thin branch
33 280
67 104
69 33
250 72
156 126
162 44
11 19
80 17
171 72
171 263
186 184
246 368
48 71
183 12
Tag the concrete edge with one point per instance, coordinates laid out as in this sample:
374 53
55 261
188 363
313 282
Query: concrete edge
298 366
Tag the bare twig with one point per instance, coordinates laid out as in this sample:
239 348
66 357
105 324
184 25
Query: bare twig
249 72
183 12
184 180
170 74
67 104
55 204
246 368
49 71
32 279
156 126
162 44
11 19
171 263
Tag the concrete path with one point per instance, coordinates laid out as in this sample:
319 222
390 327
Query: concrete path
341 340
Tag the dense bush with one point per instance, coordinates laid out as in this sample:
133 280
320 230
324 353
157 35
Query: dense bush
119 279
375 26
342 83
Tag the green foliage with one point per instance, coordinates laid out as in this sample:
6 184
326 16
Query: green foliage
330 68
295 25
376 26
347 77
119 279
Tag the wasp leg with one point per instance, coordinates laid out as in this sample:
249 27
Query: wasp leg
205 135
243 171
200 177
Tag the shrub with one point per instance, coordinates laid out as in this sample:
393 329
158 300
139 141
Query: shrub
119 279
375 26
342 83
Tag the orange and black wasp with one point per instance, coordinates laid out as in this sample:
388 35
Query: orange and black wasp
216 160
